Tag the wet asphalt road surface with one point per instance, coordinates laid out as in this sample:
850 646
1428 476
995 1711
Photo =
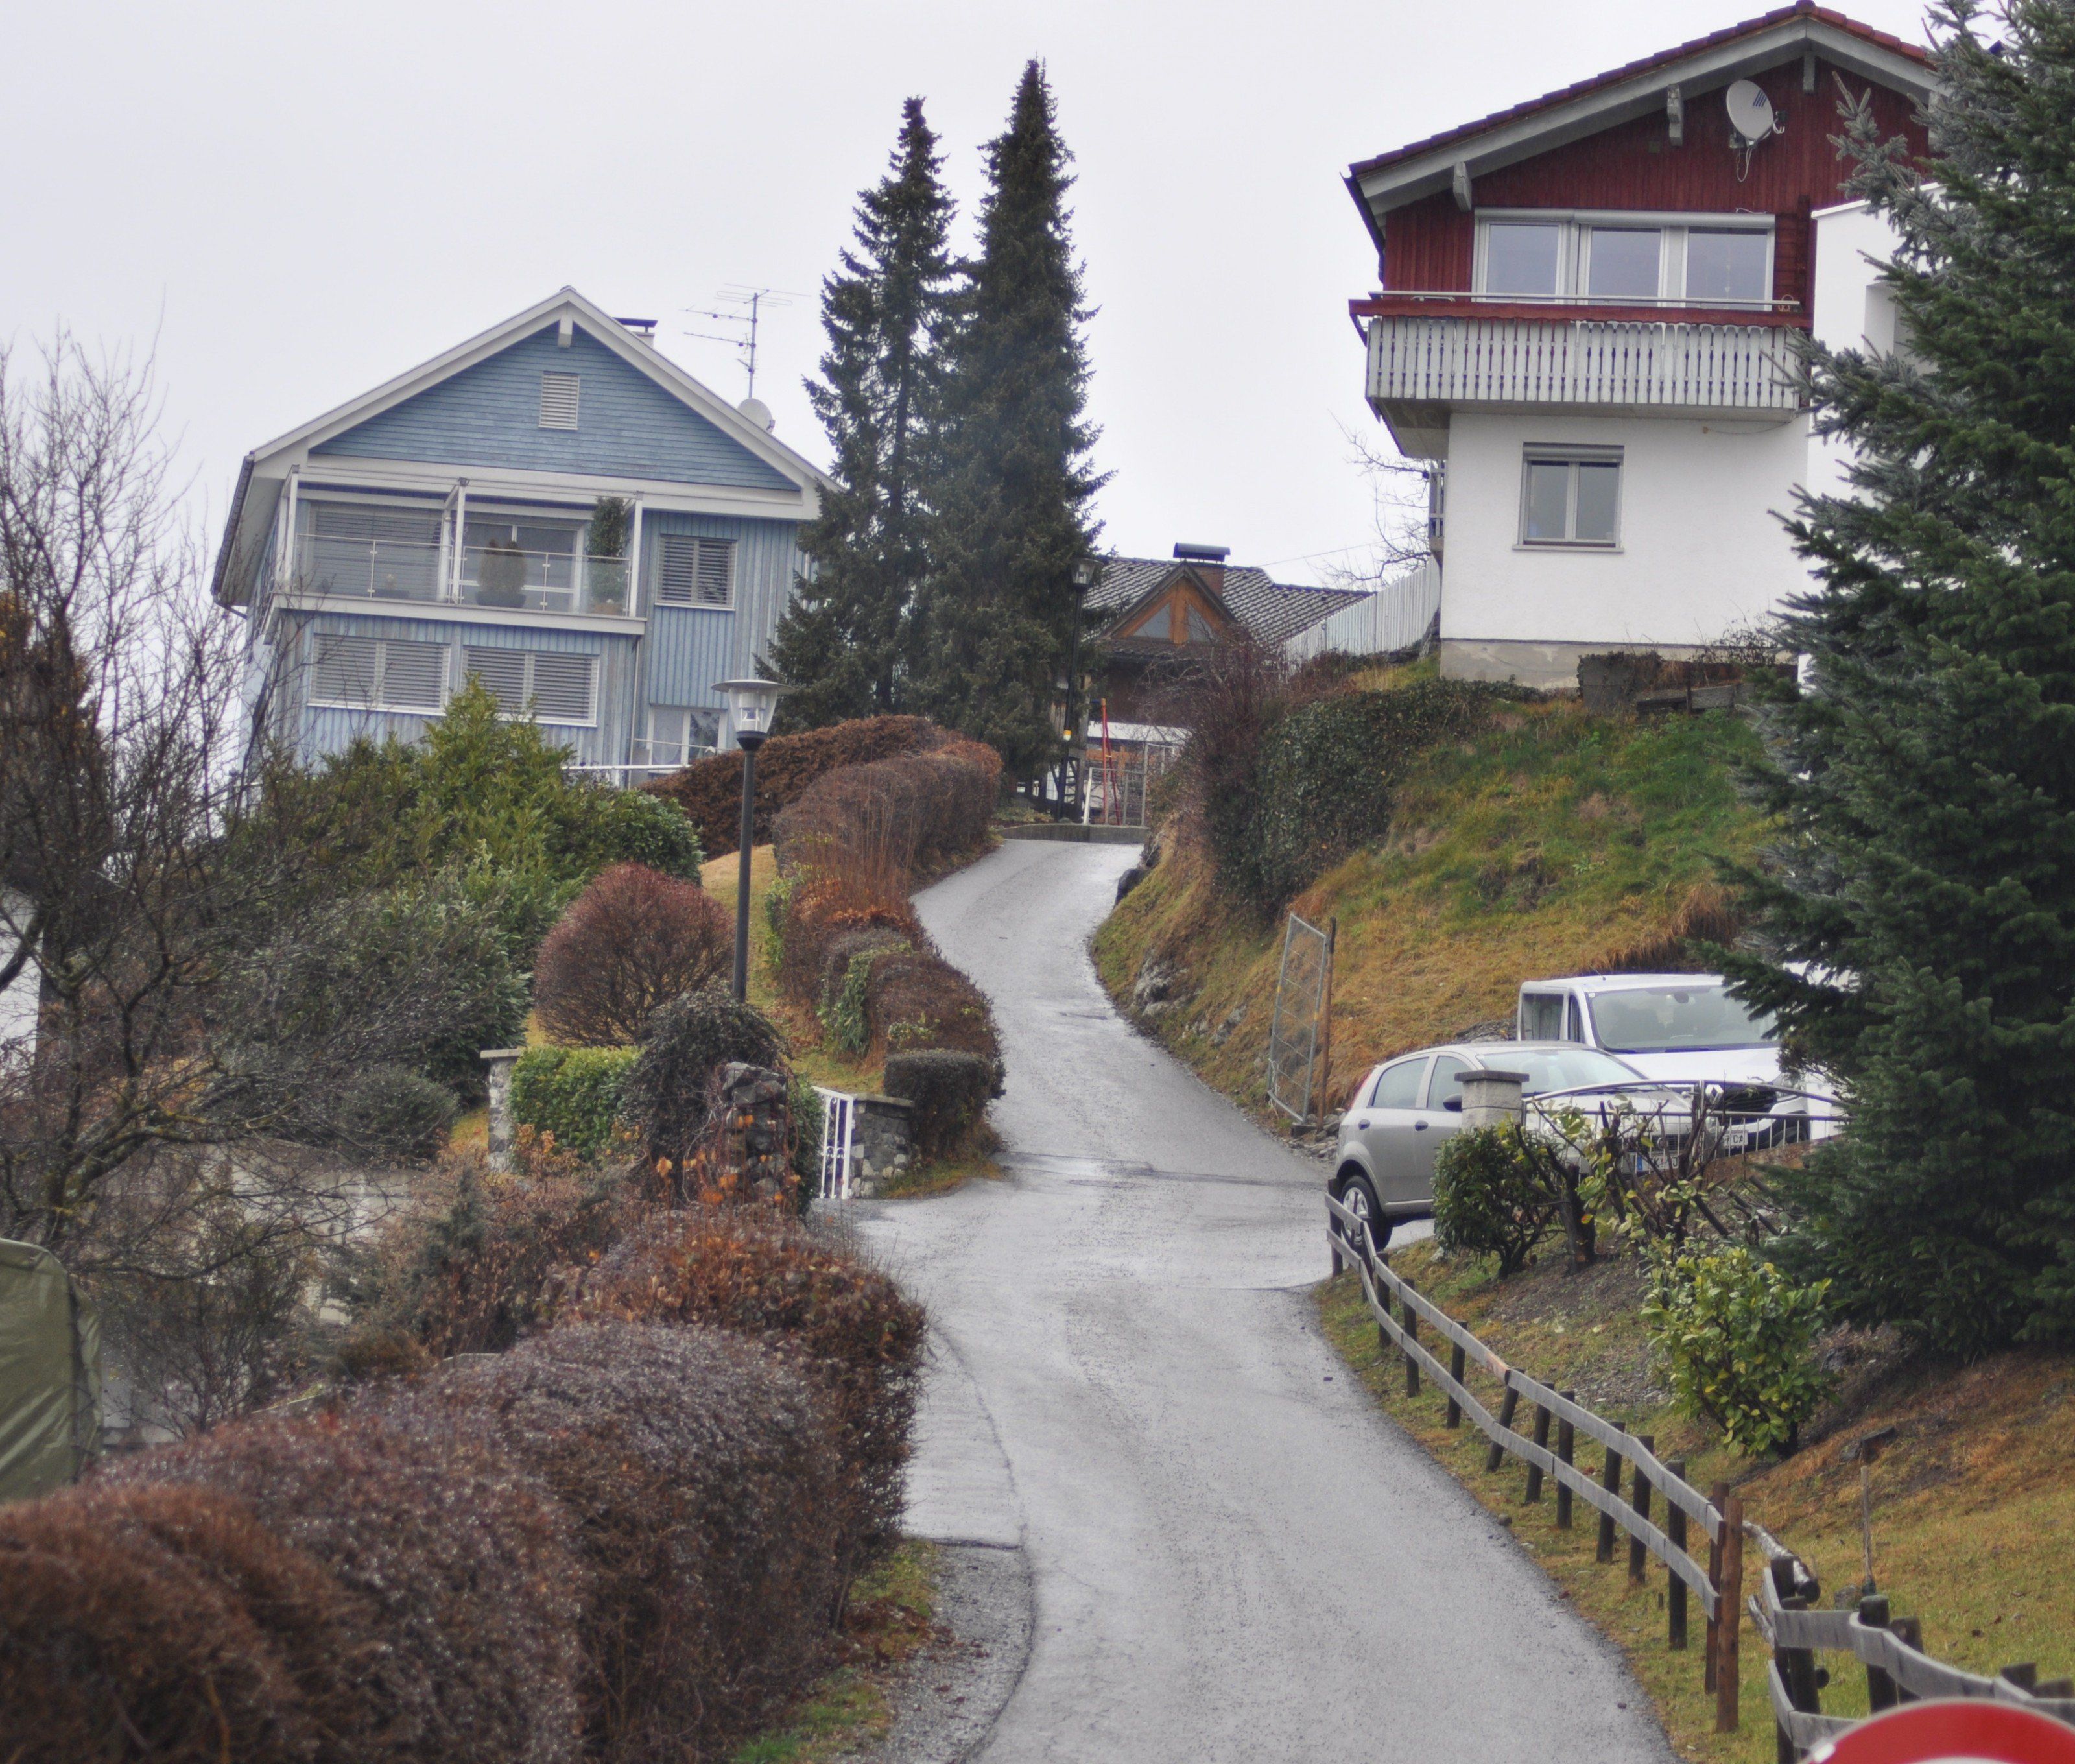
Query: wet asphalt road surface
1231 1554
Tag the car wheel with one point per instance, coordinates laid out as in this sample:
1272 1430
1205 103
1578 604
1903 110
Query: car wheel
1359 1198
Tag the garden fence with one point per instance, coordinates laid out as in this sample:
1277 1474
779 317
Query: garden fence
1783 1601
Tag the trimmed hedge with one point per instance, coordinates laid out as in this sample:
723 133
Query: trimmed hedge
710 790
914 999
759 1272
574 1093
458 1561
912 814
690 1038
696 1468
950 1092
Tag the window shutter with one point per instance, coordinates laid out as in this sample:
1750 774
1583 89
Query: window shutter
413 674
343 670
696 572
558 400
562 688
502 671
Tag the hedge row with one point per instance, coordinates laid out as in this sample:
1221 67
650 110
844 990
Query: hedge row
911 815
626 1538
574 1093
710 790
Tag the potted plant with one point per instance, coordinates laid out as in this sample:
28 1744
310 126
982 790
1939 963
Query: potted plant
501 578
611 518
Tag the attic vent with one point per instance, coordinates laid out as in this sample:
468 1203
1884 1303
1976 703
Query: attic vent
558 400
696 572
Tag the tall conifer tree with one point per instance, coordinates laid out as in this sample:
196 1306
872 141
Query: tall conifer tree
1011 503
841 641
1926 782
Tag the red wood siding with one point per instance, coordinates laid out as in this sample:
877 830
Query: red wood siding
1428 244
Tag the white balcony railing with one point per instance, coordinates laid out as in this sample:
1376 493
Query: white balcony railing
529 581
1496 362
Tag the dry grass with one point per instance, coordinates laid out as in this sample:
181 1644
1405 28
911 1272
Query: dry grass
1969 1504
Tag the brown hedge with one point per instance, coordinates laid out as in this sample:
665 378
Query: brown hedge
168 1623
826 910
632 942
908 816
459 1560
916 999
710 790
696 1468
757 1272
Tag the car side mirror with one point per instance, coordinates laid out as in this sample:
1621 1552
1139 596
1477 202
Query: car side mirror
1453 1105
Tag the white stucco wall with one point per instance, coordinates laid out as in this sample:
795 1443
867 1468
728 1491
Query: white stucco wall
17 1003
1851 311
1702 549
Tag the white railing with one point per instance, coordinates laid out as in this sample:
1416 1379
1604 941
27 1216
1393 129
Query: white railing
396 570
1499 362
839 1133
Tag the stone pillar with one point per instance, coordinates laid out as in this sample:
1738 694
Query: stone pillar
752 1118
882 1142
500 1061
1492 1099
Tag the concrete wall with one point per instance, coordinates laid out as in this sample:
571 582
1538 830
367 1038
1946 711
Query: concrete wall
1701 550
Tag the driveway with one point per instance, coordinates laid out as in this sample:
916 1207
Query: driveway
1234 1556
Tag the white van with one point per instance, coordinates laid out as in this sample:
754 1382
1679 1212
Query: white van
1683 1028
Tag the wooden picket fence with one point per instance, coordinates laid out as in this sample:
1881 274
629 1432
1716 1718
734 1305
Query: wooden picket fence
1781 1603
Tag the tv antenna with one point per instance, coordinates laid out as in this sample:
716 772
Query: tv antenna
741 310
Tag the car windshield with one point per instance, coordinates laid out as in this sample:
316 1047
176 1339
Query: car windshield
1671 1019
1565 1069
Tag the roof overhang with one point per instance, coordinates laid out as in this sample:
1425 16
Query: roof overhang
1427 167
264 470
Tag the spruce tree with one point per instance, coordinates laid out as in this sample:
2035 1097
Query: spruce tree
1011 514
841 641
1925 779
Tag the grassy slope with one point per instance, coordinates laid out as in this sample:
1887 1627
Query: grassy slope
1552 839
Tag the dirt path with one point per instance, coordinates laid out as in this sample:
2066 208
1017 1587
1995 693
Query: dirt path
1233 1556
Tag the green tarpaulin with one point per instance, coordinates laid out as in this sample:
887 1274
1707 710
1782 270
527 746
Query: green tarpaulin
50 1374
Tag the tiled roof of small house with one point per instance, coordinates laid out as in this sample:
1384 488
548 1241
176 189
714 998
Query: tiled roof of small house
1273 611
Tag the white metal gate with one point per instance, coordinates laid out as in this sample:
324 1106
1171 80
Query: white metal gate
1303 992
838 1129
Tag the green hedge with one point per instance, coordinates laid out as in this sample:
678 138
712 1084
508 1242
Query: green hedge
573 1092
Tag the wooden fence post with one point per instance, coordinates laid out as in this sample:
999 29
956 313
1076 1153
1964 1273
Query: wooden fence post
1610 1473
1458 1363
1411 1335
1718 1496
1566 1445
1729 1630
1542 1419
1674 1587
1880 1688
1785 1663
1509 1404
1638 1498
1909 1631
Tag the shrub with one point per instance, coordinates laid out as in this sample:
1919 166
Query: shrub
1489 1197
758 1272
950 1092
573 1092
826 908
807 1114
478 1260
169 1623
1737 1337
697 1469
632 942
460 1559
845 1020
901 816
664 1099
392 1112
709 791
914 999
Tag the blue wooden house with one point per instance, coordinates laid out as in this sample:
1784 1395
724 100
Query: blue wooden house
553 508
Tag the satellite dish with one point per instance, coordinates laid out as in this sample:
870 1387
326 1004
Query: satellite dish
1751 112
757 411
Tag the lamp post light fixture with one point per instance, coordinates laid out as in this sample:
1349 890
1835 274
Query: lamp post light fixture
751 704
1087 573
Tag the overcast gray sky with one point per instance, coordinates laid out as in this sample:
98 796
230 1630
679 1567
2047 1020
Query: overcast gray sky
301 201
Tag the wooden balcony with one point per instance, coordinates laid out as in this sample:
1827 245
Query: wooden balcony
1421 367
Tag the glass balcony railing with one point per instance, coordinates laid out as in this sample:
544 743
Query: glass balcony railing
491 576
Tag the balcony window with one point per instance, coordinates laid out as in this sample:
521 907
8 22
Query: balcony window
1571 497
1624 263
1626 259
359 551
1523 258
678 735
1727 266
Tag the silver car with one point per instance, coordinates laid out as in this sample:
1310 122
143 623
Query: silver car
1383 1165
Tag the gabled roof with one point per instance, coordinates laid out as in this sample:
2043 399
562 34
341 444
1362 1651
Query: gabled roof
1271 611
1421 167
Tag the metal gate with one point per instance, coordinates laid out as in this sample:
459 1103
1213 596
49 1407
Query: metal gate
838 1128
1304 985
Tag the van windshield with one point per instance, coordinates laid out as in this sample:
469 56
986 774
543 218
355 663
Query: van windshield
1677 1019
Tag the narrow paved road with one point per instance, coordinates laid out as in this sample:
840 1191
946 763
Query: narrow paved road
1234 1556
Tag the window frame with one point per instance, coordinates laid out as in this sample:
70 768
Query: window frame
1574 253
377 702
1424 1062
1572 455
528 695
699 542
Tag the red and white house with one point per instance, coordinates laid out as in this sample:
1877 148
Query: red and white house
1585 319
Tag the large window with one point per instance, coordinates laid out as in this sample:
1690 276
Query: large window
547 684
376 673
1571 496
1633 259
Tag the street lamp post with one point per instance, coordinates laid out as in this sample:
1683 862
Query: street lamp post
750 705
1086 573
